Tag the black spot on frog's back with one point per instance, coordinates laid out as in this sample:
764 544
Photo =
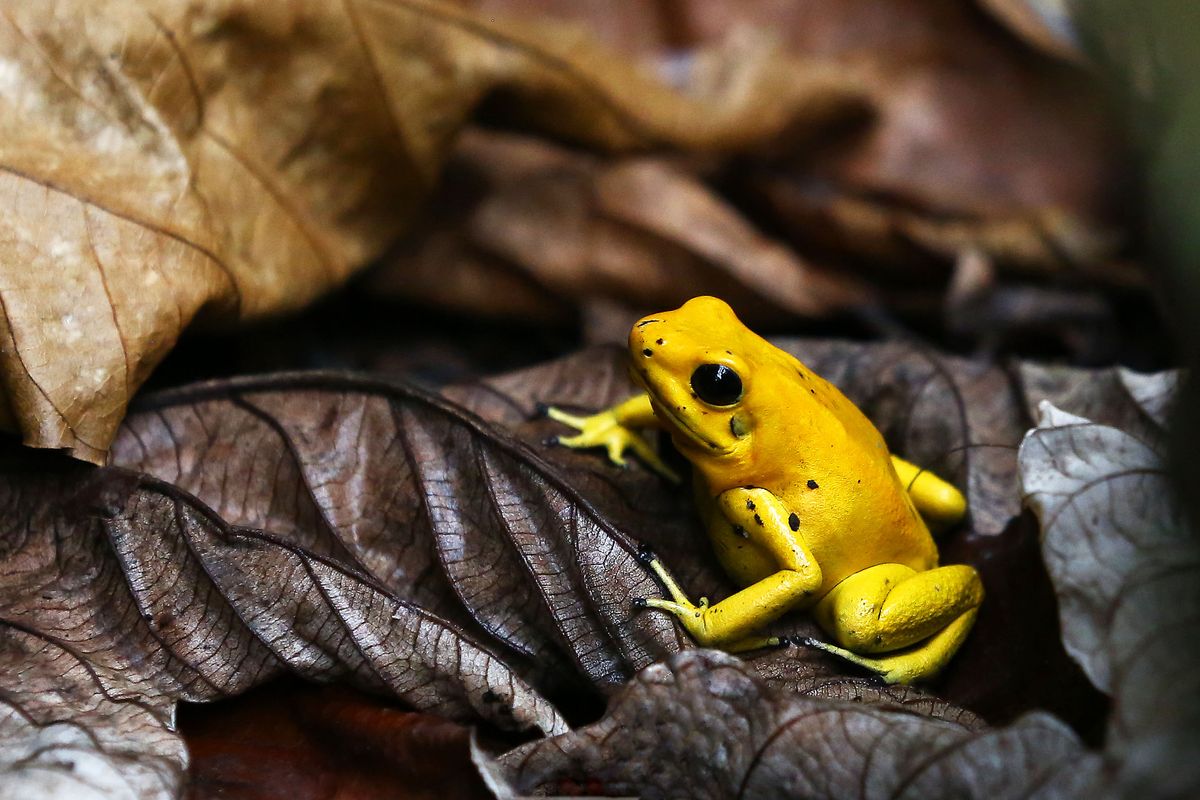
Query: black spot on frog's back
794 521
812 484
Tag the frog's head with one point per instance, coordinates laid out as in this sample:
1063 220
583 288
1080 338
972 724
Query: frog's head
707 375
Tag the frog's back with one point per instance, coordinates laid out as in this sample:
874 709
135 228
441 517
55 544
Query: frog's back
854 511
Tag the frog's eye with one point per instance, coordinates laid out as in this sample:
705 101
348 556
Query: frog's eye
717 384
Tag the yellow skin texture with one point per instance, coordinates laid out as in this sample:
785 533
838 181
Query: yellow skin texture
803 504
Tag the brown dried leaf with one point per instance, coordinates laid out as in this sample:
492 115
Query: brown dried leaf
703 725
976 141
170 161
521 225
123 594
444 511
66 736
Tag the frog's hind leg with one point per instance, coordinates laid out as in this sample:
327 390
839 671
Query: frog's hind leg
914 621
919 662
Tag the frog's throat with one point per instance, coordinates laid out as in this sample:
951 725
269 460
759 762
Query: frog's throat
686 428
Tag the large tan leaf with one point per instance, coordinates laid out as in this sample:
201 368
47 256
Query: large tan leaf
177 160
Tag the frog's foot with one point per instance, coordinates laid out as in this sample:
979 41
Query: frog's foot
647 557
690 615
697 620
603 429
874 665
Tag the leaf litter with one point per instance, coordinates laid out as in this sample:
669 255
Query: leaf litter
434 550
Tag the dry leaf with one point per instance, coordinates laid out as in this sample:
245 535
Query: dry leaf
171 162
522 227
1119 398
1127 569
702 725
976 141
134 595
443 510
66 736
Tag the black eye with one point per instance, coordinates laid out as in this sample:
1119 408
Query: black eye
717 384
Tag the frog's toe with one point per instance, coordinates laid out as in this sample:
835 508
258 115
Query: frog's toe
569 441
558 415
646 555
671 607
616 450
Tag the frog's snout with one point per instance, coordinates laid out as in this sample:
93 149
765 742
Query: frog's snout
644 341
637 334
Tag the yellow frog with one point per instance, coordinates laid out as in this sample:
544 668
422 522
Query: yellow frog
801 499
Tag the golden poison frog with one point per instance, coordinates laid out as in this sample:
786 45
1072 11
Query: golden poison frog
803 504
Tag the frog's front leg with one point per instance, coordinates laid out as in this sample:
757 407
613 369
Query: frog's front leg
732 623
612 430
914 621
